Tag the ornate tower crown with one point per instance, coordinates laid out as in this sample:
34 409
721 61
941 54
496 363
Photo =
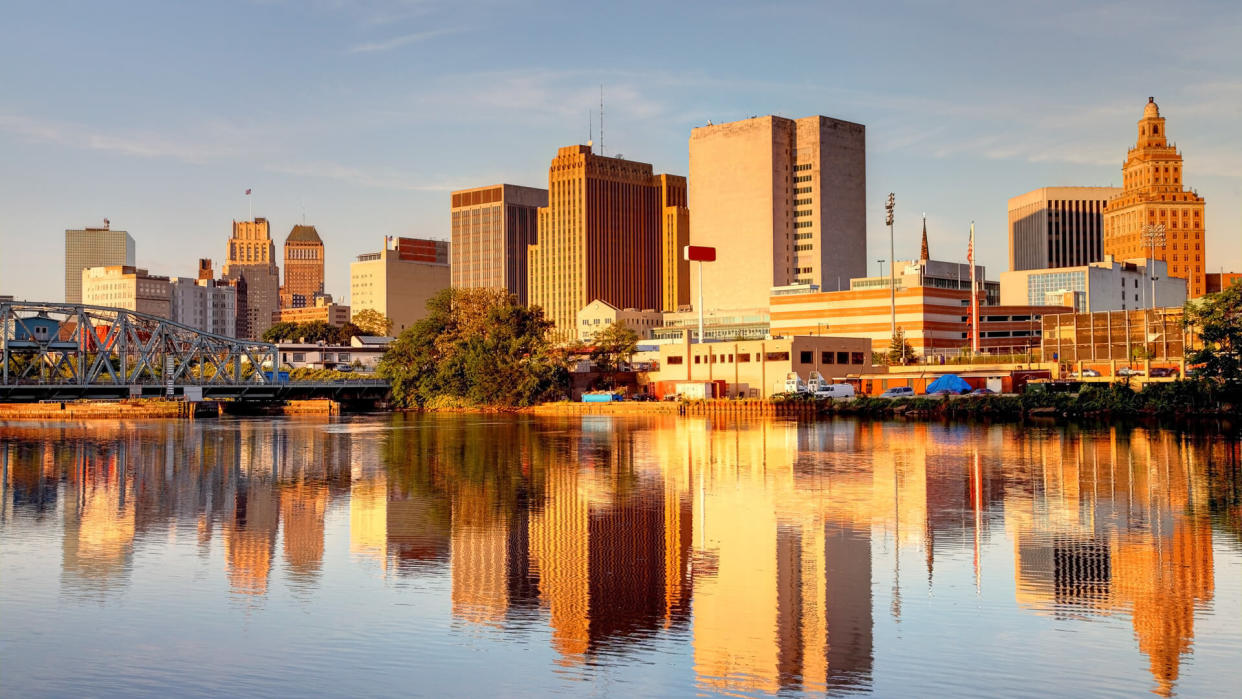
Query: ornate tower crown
1151 126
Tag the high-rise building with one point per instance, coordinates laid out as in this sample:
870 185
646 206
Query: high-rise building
398 280
1057 227
783 202
126 286
493 227
1152 196
600 236
206 304
93 247
252 258
303 268
674 237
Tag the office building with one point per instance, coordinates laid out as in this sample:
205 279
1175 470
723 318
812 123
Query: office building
674 237
1153 195
126 286
303 268
493 228
783 202
600 237
1107 285
252 259
205 303
398 280
93 247
1057 227
322 311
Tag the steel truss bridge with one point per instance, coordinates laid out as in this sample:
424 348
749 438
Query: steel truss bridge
57 351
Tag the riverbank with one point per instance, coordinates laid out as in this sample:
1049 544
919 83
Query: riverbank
159 409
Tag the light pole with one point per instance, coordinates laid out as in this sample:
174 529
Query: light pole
892 255
1153 235
881 263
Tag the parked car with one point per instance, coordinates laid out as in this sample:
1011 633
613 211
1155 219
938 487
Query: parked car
898 392
1086 373
982 392
1164 372
1128 371
834 390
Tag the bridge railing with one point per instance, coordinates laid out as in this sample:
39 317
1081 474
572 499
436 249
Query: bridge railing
84 345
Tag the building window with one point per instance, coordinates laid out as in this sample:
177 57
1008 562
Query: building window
825 357
856 357
843 357
698 359
806 356
743 357
777 356
674 360
299 357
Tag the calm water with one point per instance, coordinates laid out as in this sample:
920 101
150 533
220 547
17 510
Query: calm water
470 555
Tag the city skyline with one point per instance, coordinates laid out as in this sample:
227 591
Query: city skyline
362 144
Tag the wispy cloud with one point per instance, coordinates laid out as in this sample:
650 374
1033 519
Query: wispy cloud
399 41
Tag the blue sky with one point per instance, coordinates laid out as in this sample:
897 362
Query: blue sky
365 114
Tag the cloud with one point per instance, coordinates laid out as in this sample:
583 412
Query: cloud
399 41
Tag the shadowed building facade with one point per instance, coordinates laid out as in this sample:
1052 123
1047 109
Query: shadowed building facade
600 236
1153 194
493 228
1057 227
93 247
783 202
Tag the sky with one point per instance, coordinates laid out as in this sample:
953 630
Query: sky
360 116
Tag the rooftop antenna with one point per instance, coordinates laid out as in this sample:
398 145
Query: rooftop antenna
590 130
601 119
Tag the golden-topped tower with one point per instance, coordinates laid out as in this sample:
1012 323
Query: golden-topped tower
1152 195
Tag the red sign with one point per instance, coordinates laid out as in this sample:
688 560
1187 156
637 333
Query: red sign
700 253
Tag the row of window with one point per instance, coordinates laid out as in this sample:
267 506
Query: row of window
803 166
804 356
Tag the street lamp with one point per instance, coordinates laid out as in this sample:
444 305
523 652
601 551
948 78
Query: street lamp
881 263
892 255
1153 235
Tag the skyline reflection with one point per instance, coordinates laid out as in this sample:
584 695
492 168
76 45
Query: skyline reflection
774 549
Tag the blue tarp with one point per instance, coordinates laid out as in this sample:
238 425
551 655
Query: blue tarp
948 382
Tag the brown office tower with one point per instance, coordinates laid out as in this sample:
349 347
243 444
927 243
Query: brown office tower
599 237
783 201
1057 227
674 236
303 268
493 227
252 258
1153 196
205 271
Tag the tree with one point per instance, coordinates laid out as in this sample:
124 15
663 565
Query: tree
477 345
613 344
280 332
347 332
899 350
372 322
1217 319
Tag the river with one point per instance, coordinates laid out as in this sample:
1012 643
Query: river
401 555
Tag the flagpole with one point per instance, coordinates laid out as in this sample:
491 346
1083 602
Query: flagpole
974 296
250 200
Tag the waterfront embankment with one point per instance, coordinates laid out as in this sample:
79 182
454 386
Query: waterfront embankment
156 409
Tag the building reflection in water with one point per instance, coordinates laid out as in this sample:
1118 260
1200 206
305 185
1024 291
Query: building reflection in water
613 533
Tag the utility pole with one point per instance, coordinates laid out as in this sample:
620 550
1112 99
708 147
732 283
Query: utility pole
1153 235
881 263
892 256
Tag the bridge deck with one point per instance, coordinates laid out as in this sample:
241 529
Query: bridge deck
345 390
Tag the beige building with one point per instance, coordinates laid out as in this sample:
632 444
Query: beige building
124 286
1107 285
757 368
597 315
1057 227
601 236
399 280
783 202
252 259
206 304
493 228
323 310
674 237
304 261
93 247
1154 195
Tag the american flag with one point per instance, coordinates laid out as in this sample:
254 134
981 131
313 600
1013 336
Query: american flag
247 192
970 249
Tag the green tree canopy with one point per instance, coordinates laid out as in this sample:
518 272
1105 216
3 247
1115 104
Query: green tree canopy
899 350
1217 320
478 345
372 322
614 344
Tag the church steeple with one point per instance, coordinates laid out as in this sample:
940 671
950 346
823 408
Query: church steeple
923 253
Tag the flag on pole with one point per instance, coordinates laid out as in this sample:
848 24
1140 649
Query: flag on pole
247 192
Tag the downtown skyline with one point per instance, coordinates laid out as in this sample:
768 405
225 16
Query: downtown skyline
363 117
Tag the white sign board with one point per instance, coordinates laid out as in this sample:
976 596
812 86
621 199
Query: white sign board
193 394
